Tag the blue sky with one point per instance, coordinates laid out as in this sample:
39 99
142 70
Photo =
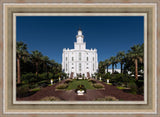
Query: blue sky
108 34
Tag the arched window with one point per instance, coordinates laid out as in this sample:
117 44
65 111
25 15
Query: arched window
66 67
79 56
79 66
93 67
87 58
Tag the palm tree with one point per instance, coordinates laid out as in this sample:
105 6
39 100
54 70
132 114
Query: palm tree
21 50
120 57
36 57
113 61
136 53
101 67
46 61
107 63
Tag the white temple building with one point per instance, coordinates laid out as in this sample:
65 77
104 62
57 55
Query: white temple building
79 61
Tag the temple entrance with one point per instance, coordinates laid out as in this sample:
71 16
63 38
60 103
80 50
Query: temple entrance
88 75
72 73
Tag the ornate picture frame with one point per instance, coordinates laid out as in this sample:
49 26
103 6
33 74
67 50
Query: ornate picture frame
11 10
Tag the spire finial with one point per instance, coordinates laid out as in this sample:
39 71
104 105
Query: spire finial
80 28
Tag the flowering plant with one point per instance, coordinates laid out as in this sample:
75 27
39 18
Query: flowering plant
81 88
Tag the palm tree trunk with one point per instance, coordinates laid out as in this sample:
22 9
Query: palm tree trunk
19 71
107 69
47 71
136 69
37 69
112 68
121 67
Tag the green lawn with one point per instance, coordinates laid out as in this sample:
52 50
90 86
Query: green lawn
75 83
121 87
35 89
109 83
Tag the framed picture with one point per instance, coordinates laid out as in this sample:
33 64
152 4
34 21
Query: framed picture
111 69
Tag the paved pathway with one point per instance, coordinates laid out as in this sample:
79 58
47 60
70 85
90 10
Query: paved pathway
91 94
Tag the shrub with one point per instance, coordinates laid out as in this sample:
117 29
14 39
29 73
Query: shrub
107 76
120 88
50 98
91 80
120 79
111 98
43 76
35 89
28 77
62 86
141 90
68 81
43 83
50 75
133 87
107 98
22 91
33 85
98 85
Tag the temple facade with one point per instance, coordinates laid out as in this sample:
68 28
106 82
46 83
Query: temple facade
79 61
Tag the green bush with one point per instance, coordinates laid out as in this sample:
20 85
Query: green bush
111 98
107 76
43 76
121 79
91 80
68 81
33 85
141 90
98 85
50 75
62 86
107 98
22 91
35 89
28 78
50 98
133 87
44 81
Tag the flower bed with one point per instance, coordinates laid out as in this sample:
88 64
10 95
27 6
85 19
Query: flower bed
80 90
62 86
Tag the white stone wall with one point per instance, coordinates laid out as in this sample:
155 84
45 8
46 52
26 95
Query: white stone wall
115 70
71 58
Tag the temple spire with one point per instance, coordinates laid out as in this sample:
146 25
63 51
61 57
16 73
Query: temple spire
80 36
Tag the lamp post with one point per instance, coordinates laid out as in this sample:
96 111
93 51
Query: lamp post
51 81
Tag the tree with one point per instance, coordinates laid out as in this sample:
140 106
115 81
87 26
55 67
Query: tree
46 61
101 67
36 57
113 62
135 54
107 64
21 50
120 57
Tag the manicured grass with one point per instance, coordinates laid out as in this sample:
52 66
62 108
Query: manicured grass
75 83
121 87
109 83
35 89
49 85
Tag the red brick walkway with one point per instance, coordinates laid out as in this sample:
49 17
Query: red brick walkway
91 94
